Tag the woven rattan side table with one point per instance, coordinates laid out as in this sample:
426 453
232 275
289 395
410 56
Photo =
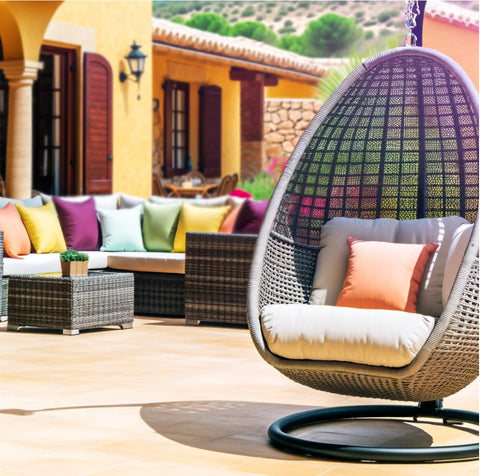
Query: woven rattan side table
71 303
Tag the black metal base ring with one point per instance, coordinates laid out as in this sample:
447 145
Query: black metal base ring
280 438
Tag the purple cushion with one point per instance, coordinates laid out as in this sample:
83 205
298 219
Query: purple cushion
250 216
79 223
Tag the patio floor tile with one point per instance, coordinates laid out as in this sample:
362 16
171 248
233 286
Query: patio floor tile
165 398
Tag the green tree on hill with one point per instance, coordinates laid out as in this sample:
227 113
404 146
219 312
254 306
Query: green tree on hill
254 30
209 22
330 35
291 43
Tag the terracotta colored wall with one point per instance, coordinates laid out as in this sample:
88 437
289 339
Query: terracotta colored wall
459 43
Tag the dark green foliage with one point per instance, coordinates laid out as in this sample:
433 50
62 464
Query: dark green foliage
286 30
254 30
291 43
248 11
73 255
384 16
330 35
209 22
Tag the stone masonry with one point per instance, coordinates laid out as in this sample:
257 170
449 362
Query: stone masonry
284 123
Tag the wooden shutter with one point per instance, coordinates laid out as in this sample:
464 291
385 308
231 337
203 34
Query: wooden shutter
97 127
210 157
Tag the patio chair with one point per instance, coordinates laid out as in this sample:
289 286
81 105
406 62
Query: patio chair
161 189
225 187
397 140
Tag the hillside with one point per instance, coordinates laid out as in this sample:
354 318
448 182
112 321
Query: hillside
291 17
379 20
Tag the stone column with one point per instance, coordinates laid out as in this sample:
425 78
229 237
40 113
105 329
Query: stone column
20 75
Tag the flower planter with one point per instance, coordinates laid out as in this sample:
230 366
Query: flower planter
74 268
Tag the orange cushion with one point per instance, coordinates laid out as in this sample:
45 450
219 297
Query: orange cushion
229 222
15 237
383 275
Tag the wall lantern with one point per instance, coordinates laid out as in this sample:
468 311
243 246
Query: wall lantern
136 63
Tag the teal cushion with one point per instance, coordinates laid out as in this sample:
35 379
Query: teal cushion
160 225
121 229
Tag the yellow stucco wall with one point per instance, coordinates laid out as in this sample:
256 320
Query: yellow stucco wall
111 27
459 43
23 25
292 89
198 73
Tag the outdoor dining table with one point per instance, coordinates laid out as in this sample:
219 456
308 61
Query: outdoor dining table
192 191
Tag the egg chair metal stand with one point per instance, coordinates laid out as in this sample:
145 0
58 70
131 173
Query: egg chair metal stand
398 139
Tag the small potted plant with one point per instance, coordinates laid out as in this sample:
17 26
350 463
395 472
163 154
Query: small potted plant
73 263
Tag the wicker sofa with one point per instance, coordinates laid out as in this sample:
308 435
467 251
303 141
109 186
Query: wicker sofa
207 283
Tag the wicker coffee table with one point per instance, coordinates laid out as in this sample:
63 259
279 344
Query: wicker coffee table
71 303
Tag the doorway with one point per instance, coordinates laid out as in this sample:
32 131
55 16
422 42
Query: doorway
54 156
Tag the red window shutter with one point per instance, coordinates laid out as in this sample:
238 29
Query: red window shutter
210 160
97 127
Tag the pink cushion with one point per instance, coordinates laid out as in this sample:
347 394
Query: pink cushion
79 223
240 193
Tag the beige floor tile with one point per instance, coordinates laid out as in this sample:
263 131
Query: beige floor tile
168 399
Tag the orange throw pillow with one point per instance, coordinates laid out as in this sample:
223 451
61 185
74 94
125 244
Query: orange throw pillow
15 237
229 222
383 275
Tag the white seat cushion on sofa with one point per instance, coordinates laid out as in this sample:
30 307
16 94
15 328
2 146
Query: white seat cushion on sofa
35 263
148 261
364 336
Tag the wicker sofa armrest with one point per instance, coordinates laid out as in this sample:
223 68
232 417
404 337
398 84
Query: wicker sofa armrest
217 268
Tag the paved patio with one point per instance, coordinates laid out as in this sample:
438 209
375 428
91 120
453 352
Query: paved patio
168 399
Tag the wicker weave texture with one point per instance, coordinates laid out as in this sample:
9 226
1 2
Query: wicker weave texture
74 303
161 294
399 139
217 269
401 142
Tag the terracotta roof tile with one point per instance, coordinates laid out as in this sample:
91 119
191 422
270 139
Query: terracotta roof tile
452 13
174 34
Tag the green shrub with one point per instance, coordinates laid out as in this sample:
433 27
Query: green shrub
370 23
73 255
261 186
248 11
384 16
369 35
286 30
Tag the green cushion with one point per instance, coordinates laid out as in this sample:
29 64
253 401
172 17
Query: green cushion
160 225
121 229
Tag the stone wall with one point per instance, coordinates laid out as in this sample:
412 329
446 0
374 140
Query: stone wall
284 123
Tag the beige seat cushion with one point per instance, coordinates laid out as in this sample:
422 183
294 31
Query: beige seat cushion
148 261
371 337
333 257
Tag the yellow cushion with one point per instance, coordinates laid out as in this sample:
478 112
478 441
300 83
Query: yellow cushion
192 218
43 228
382 275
